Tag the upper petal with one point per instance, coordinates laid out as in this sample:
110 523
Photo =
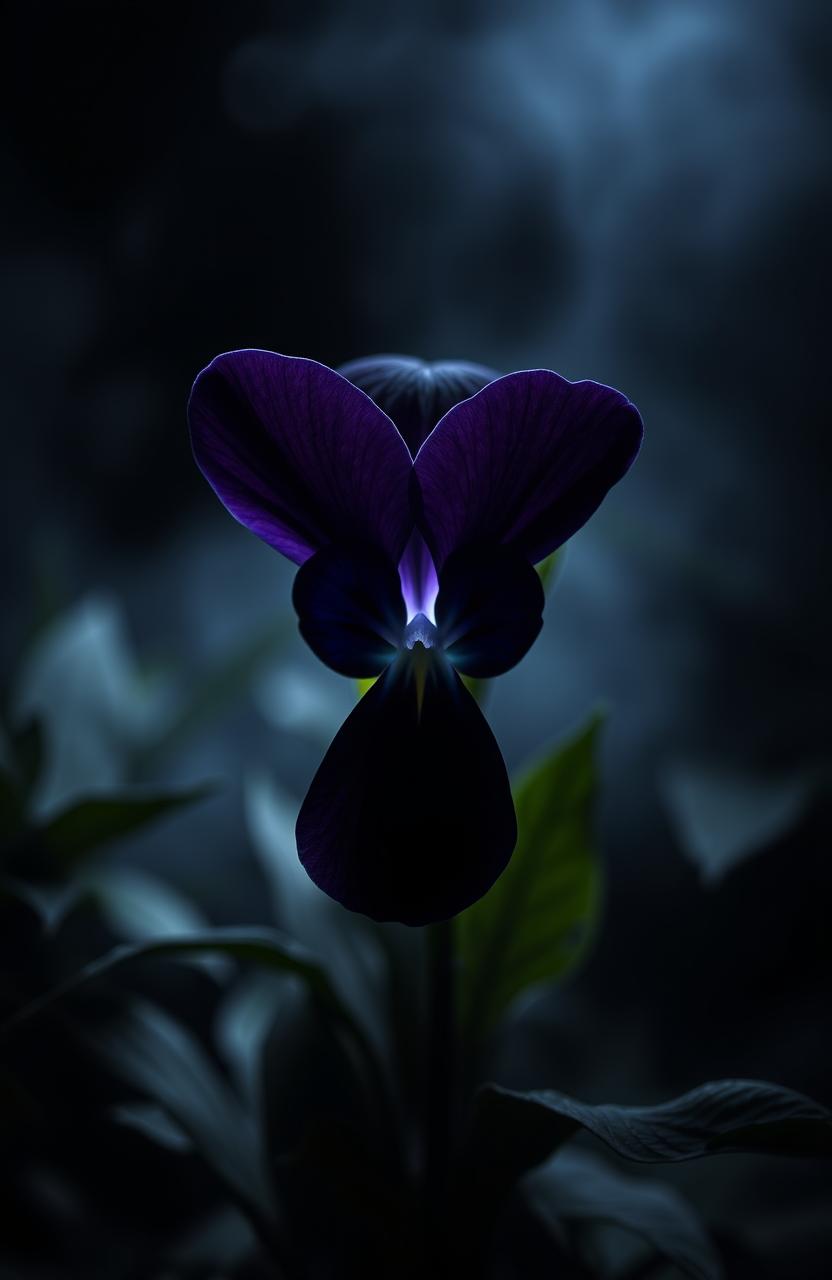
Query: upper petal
410 815
416 394
524 462
299 455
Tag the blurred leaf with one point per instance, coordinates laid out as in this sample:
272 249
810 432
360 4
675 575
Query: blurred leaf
579 1189
227 680
263 947
722 817
137 905
307 1081
550 569
51 903
537 921
82 681
153 1122
345 943
84 826
512 1132
307 701
243 1022
162 1060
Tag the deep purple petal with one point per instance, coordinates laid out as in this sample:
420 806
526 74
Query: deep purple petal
416 394
525 462
489 610
350 609
410 815
299 455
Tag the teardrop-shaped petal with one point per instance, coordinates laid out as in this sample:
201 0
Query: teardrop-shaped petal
410 816
416 394
524 462
299 455
489 610
350 609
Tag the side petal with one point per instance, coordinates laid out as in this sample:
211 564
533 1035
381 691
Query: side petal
299 455
525 462
416 394
410 816
489 610
350 609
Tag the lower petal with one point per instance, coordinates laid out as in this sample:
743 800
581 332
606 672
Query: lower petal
410 816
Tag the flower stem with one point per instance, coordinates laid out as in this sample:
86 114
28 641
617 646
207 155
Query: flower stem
441 1083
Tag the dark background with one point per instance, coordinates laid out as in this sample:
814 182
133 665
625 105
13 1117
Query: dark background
625 190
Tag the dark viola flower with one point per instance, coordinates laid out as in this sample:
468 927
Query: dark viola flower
416 500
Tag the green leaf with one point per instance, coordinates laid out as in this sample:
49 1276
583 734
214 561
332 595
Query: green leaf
478 687
550 569
537 921
87 824
513 1132
580 1190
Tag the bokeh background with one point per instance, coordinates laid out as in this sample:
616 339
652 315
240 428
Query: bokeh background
634 191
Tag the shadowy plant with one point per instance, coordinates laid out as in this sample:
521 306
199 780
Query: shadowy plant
331 1077
324 1079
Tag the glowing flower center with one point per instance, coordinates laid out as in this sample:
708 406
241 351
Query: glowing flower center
419 581
420 630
